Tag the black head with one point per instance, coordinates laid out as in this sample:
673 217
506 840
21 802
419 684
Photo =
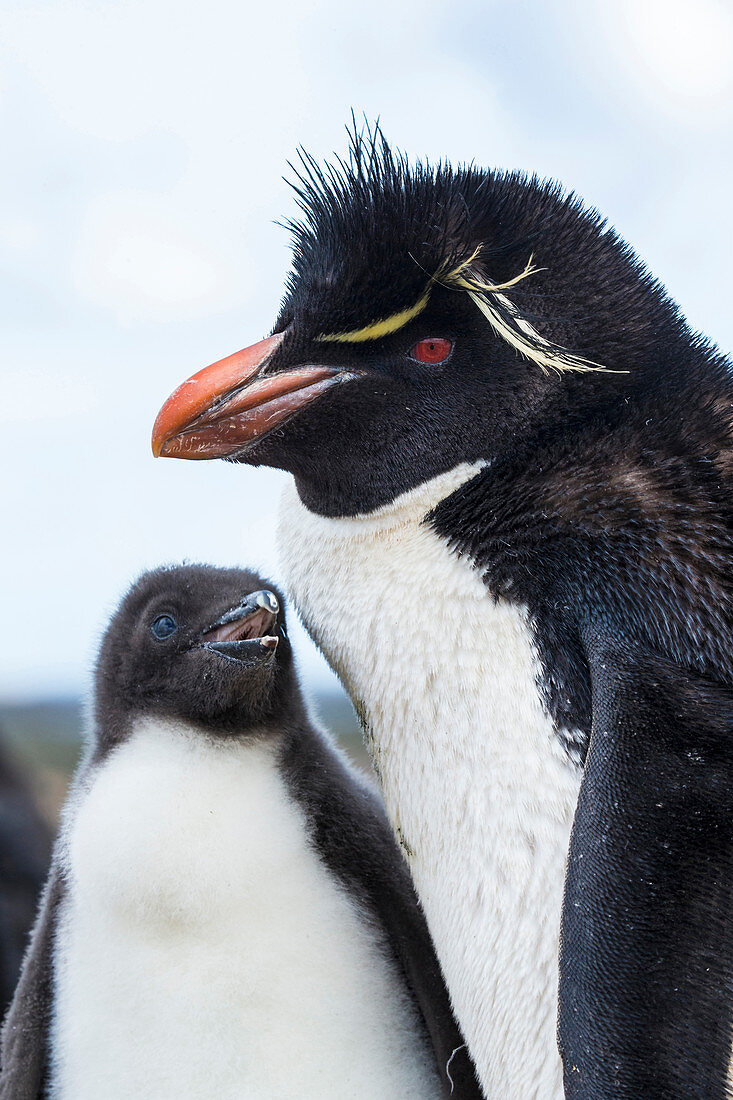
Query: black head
197 643
432 316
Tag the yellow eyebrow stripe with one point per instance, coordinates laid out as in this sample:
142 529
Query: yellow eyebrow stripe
378 329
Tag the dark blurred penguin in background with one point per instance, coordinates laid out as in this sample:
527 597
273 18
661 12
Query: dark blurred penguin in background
228 914
510 533
25 850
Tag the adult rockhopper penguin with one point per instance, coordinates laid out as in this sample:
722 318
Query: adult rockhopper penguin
228 916
512 459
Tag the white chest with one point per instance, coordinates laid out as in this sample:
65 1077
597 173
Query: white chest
204 951
476 784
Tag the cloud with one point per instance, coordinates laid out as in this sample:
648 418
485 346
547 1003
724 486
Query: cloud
682 49
137 260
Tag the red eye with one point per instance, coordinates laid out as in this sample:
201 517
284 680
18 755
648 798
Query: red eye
432 351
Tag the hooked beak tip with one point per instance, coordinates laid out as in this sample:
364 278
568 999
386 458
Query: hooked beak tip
191 399
156 445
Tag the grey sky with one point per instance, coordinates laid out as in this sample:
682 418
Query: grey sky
143 146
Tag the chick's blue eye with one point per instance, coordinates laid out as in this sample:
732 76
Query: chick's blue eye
163 627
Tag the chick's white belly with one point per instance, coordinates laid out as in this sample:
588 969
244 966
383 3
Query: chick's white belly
476 783
203 950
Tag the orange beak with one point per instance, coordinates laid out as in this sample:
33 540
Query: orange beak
218 411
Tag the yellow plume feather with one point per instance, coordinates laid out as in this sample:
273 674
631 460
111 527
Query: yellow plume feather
517 332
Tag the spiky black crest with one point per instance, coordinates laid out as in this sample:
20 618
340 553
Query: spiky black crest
376 232
419 213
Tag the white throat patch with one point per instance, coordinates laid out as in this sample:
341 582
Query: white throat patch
203 949
478 788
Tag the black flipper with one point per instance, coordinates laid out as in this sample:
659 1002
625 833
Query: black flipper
646 964
24 1044
353 838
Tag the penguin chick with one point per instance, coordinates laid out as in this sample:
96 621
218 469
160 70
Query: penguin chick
227 913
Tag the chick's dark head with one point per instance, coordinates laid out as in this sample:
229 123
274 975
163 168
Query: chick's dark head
196 643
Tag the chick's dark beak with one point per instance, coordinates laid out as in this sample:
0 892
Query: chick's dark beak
245 632
227 406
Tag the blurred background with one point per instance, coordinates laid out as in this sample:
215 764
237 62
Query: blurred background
144 143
